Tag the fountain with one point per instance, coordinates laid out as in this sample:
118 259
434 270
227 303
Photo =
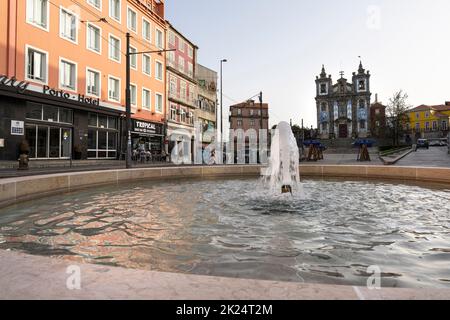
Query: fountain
283 171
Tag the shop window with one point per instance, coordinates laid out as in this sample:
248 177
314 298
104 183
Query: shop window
50 114
35 111
102 137
102 121
48 142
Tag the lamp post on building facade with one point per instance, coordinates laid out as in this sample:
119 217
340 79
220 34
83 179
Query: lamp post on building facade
128 94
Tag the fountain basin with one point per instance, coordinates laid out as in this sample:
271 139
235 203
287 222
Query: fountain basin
73 182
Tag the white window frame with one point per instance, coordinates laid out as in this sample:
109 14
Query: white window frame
109 89
28 20
88 24
27 47
156 38
162 103
181 45
150 65
190 51
135 56
93 5
156 70
149 107
109 48
60 86
134 105
77 19
136 20
149 28
120 11
172 36
99 82
180 58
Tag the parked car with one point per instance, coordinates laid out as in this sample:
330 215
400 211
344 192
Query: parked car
435 143
423 143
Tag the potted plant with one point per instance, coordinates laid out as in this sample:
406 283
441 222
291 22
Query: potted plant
24 149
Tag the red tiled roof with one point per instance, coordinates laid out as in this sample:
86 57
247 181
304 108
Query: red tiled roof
424 107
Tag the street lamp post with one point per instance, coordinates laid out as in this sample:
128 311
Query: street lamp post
221 101
128 104
128 94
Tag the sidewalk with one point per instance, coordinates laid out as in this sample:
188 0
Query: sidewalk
76 167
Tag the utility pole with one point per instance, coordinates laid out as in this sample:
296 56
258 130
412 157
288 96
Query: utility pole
128 104
221 103
261 108
128 54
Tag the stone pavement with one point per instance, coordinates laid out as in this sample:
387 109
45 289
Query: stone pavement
32 278
433 157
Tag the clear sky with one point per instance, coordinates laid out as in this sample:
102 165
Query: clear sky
279 47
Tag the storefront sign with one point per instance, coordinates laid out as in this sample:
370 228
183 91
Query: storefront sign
144 127
20 86
65 95
17 128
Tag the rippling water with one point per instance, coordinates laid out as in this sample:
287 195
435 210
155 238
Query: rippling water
236 228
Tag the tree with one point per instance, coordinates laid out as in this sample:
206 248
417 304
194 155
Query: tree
397 115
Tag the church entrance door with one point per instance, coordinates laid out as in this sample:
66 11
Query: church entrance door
343 131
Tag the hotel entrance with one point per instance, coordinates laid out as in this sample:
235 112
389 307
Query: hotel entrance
48 142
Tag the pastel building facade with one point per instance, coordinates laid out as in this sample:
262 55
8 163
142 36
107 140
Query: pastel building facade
182 100
427 121
70 58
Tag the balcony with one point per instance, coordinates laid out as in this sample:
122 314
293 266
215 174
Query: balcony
179 68
177 97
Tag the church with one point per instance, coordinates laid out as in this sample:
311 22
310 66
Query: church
343 108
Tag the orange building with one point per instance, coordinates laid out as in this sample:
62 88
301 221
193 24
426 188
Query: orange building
62 77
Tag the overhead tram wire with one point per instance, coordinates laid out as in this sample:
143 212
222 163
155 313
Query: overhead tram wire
102 19
84 23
